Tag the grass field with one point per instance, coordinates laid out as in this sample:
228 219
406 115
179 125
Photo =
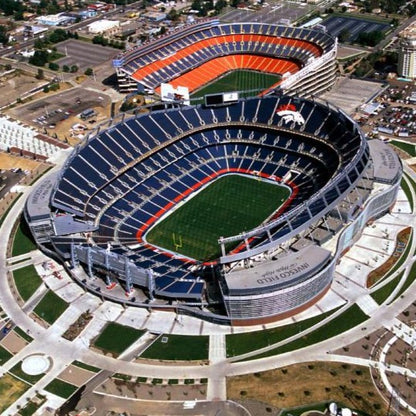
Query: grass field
115 338
4 355
240 80
61 388
51 307
178 347
228 206
307 383
27 281
10 390
23 241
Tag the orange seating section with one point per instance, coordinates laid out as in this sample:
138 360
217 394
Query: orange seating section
225 40
210 70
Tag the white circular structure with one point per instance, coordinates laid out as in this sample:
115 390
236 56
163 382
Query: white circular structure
36 364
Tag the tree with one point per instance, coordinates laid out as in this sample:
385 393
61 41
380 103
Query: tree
74 68
39 58
40 74
344 35
53 66
65 68
4 37
370 38
89 71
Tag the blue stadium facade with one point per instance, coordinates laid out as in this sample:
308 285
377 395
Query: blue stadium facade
91 213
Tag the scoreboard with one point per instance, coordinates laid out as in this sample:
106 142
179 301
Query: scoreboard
225 98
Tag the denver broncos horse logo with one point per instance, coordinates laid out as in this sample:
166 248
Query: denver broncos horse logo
289 114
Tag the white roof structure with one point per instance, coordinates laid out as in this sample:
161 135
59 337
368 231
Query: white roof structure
101 26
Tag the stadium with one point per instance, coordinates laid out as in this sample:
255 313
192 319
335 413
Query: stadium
235 210
301 60
236 213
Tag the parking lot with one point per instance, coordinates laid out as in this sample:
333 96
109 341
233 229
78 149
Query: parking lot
84 54
49 111
270 13
335 25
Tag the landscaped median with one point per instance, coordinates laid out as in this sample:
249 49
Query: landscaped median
397 258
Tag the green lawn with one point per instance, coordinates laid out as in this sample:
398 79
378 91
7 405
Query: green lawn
86 366
22 334
407 147
19 373
27 281
227 206
352 317
410 279
238 344
23 241
51 307
115 338
240 80
380 295
179 348
61 388
4 355
31 407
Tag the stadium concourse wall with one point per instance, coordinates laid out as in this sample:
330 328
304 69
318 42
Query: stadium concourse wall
280 304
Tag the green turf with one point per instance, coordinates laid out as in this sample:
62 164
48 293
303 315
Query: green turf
407 147
115 338
31 407
409 280
22 334
51 307
228 206
240 80
178 347
86 366
4 355
61 388
243 343
381 294
351 318
23 241
19 373
27 281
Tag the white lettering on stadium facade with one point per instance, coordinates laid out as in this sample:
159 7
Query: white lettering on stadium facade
275 275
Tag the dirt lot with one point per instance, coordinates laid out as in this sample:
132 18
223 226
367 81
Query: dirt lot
12 86
76 375
13 342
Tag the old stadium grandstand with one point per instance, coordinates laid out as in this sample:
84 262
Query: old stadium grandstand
150 203
198 54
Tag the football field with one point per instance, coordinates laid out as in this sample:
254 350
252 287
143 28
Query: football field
240 80
227 206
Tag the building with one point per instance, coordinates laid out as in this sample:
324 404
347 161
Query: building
407 52
104 27
54 20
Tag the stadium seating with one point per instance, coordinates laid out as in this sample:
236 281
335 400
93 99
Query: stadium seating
121 181
273 49
17 138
